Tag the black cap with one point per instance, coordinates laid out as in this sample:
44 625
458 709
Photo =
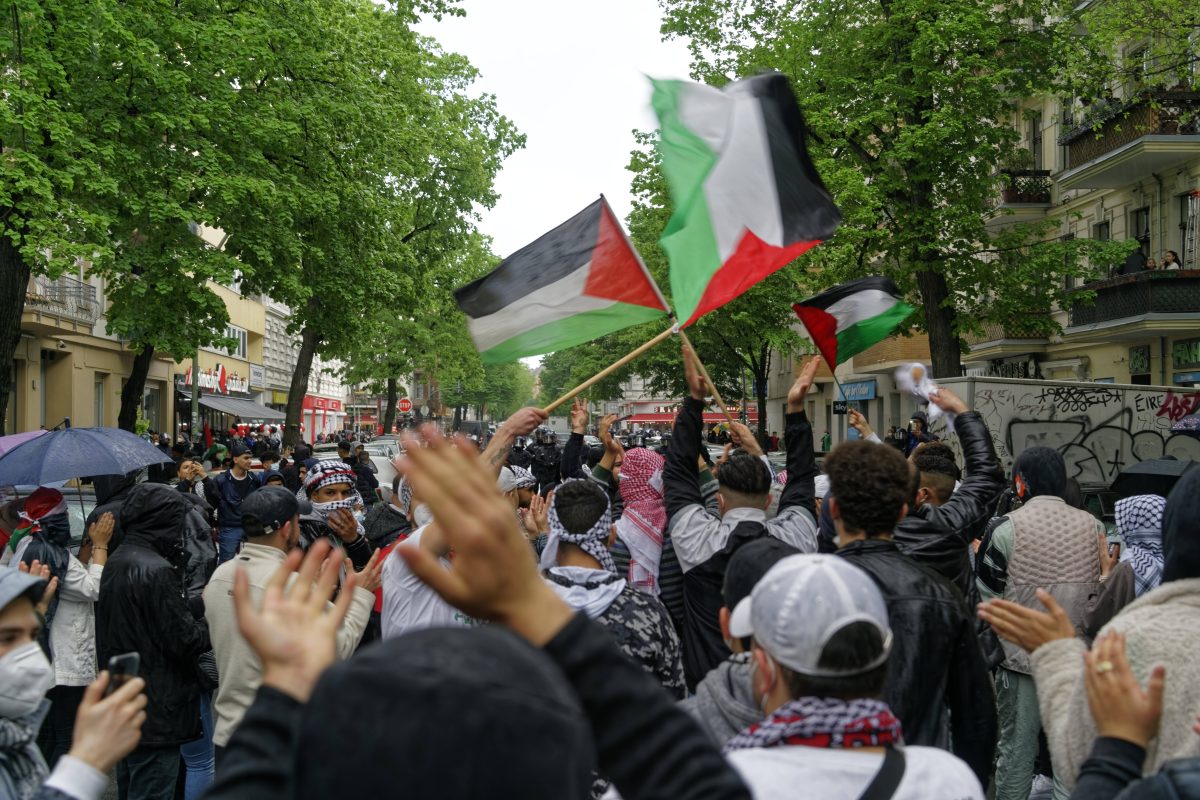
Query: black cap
344 445
238 448
747 566
270 508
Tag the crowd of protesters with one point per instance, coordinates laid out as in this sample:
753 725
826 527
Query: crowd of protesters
605 622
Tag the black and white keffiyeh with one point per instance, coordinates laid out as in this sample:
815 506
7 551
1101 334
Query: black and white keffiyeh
594 541
327 473
1139 521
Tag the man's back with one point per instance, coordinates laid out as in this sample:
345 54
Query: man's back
937 676
644 632
820 773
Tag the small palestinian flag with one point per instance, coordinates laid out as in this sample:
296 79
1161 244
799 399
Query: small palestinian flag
576 283
747 198
848 319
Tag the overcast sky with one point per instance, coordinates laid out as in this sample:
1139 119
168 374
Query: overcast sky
571 74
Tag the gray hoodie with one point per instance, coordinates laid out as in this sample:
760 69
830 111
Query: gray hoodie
724 703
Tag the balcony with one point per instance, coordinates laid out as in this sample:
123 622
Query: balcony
1017 336
1120 143
1133 306
1025 198
61 303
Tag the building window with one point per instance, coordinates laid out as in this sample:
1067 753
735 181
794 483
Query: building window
418 391
1102 231
1139 228
1034 136
98 400
239 337
151 402
1184 211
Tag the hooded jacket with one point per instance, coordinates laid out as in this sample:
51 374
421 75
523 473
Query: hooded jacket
724 704
142 608
111 491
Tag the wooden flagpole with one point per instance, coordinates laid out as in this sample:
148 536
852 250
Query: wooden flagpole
712 387
604 373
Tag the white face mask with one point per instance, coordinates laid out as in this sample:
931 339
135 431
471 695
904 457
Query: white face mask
25 677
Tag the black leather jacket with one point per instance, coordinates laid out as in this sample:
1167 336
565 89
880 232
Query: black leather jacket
940 536
938 682
142 608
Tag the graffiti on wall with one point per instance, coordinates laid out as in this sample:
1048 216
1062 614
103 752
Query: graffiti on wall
1100 431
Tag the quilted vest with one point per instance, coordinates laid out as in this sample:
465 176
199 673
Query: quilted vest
1054 548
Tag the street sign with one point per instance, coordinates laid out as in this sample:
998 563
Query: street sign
404 406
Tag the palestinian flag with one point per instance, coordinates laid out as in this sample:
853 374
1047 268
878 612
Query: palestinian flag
576 283
848 319
747 198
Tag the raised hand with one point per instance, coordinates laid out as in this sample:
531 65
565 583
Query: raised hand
803 382
948 401
39 570
101 531
293 632
539 508
744 438
493 576
604 431
108 728
697 386
371 575
1024 627
524 421
859 423
1120 707
579 416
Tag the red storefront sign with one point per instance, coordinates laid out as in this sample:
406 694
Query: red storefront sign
321 403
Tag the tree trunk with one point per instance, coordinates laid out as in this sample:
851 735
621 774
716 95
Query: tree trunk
944 350
14 282
389 416
296 392
760 394
135 389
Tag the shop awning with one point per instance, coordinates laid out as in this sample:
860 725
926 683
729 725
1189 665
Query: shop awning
248 410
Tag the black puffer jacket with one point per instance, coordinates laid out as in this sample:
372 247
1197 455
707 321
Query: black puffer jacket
938 682
142 609
940 536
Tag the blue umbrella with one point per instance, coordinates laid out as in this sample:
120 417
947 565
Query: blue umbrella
77 452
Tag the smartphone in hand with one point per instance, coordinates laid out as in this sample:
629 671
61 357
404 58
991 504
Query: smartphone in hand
121 670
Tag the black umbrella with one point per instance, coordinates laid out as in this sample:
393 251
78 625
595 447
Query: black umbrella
1157 476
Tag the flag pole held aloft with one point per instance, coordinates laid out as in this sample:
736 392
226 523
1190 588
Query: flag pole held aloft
610 369
712 387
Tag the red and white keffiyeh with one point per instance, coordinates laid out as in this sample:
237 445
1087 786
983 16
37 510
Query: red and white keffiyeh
644 519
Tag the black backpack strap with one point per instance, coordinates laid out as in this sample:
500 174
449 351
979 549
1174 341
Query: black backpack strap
885 783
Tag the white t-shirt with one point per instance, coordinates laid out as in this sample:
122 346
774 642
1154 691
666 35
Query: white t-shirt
773 773
408 603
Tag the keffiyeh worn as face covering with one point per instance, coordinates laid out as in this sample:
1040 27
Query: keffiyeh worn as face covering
644 517
594 541
822 722
327 473
43 503
1139 521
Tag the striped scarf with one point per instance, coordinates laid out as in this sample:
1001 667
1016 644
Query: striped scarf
22 767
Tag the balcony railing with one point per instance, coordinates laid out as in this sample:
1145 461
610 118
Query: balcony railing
1128 296
1018 328
1114 124
64 297
1026 186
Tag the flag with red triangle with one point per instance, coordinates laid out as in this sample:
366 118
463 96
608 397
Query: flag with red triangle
576 283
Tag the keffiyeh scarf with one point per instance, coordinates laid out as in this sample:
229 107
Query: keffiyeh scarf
644 517
327 473
822 722
594 541
22 768
1139 521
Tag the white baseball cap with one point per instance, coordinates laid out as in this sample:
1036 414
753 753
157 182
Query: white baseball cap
802 602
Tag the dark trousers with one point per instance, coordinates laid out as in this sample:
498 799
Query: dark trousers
148 773
54 738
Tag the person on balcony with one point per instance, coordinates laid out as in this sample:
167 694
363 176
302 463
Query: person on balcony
1171 260
1151 263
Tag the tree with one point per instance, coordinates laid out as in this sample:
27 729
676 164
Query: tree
910 104
50 169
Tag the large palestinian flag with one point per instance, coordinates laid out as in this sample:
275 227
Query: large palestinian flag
747 198
576 283
848 319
